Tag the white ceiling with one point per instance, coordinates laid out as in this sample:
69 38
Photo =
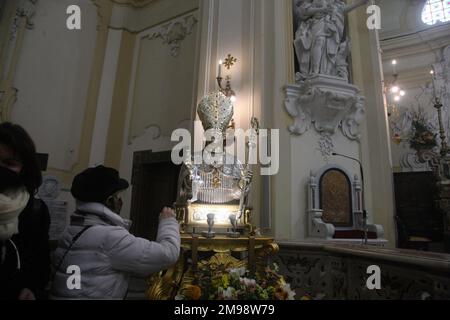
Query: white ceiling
400 17
406 38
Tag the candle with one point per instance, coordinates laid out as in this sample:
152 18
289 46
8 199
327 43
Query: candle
394 66
220 69
433 78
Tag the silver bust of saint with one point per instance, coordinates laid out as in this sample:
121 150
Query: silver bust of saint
222 179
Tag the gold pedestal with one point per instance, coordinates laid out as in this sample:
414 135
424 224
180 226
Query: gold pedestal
219 253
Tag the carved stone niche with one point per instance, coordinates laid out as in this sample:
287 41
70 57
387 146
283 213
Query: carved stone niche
335 207
327 102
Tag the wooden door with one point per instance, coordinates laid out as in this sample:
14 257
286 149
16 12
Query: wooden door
415 196
154 186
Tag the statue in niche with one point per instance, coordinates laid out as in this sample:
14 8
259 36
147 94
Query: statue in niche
320 42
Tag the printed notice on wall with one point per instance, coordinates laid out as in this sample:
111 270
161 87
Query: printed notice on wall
58 216
58 209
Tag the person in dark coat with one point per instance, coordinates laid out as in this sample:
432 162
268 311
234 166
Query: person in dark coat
24 220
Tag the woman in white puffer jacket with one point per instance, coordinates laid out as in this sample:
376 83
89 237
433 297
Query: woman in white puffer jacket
99 246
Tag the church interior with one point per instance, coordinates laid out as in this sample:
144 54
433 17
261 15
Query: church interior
342 109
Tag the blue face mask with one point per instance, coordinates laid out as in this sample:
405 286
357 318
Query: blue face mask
9 180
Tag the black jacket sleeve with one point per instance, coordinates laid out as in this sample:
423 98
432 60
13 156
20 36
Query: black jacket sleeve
34 224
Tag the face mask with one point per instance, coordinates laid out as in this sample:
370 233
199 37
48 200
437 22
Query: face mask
9 180
114 204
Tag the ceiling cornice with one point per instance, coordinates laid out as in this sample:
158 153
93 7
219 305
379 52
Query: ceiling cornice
416 43
134 3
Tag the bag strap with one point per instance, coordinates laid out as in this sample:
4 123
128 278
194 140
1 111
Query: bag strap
74 239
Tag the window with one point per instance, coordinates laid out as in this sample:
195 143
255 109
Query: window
435 11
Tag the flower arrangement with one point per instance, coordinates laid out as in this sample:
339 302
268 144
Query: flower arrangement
421 135
237 284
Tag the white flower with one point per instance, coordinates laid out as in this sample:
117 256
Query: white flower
248 282
289 291
239 272
180 297
228 294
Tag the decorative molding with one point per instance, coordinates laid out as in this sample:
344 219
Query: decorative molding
328 103
134 3
152 130
339 272
442 69
326 145
25 9
175 32
350 124
104 10
410 161
415 43
20 21
155 132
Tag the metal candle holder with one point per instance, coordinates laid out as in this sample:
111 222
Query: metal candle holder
210 220
233 221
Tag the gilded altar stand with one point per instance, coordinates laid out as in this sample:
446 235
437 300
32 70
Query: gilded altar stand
222 252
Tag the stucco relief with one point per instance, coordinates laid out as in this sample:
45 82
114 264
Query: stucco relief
175 32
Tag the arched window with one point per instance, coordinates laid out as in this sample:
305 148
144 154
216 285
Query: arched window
435 11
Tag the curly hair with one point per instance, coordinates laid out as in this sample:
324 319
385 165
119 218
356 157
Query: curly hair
17 139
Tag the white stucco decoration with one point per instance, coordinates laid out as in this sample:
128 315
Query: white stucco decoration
175 32
326 102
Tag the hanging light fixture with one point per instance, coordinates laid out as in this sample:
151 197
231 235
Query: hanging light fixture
394 92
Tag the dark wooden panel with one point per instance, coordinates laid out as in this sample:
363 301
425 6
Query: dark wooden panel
154 187
336 198
415 196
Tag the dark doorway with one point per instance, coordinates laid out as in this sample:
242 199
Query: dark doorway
419 221
154 185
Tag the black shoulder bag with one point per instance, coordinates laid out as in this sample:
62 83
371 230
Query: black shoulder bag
74 239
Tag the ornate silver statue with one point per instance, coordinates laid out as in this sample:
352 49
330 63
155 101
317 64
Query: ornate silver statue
320 42
219 184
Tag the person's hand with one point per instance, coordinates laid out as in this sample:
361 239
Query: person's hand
26 294
167 213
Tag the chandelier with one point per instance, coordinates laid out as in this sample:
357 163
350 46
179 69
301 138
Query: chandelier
393 91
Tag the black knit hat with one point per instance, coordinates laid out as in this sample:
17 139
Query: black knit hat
97 184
